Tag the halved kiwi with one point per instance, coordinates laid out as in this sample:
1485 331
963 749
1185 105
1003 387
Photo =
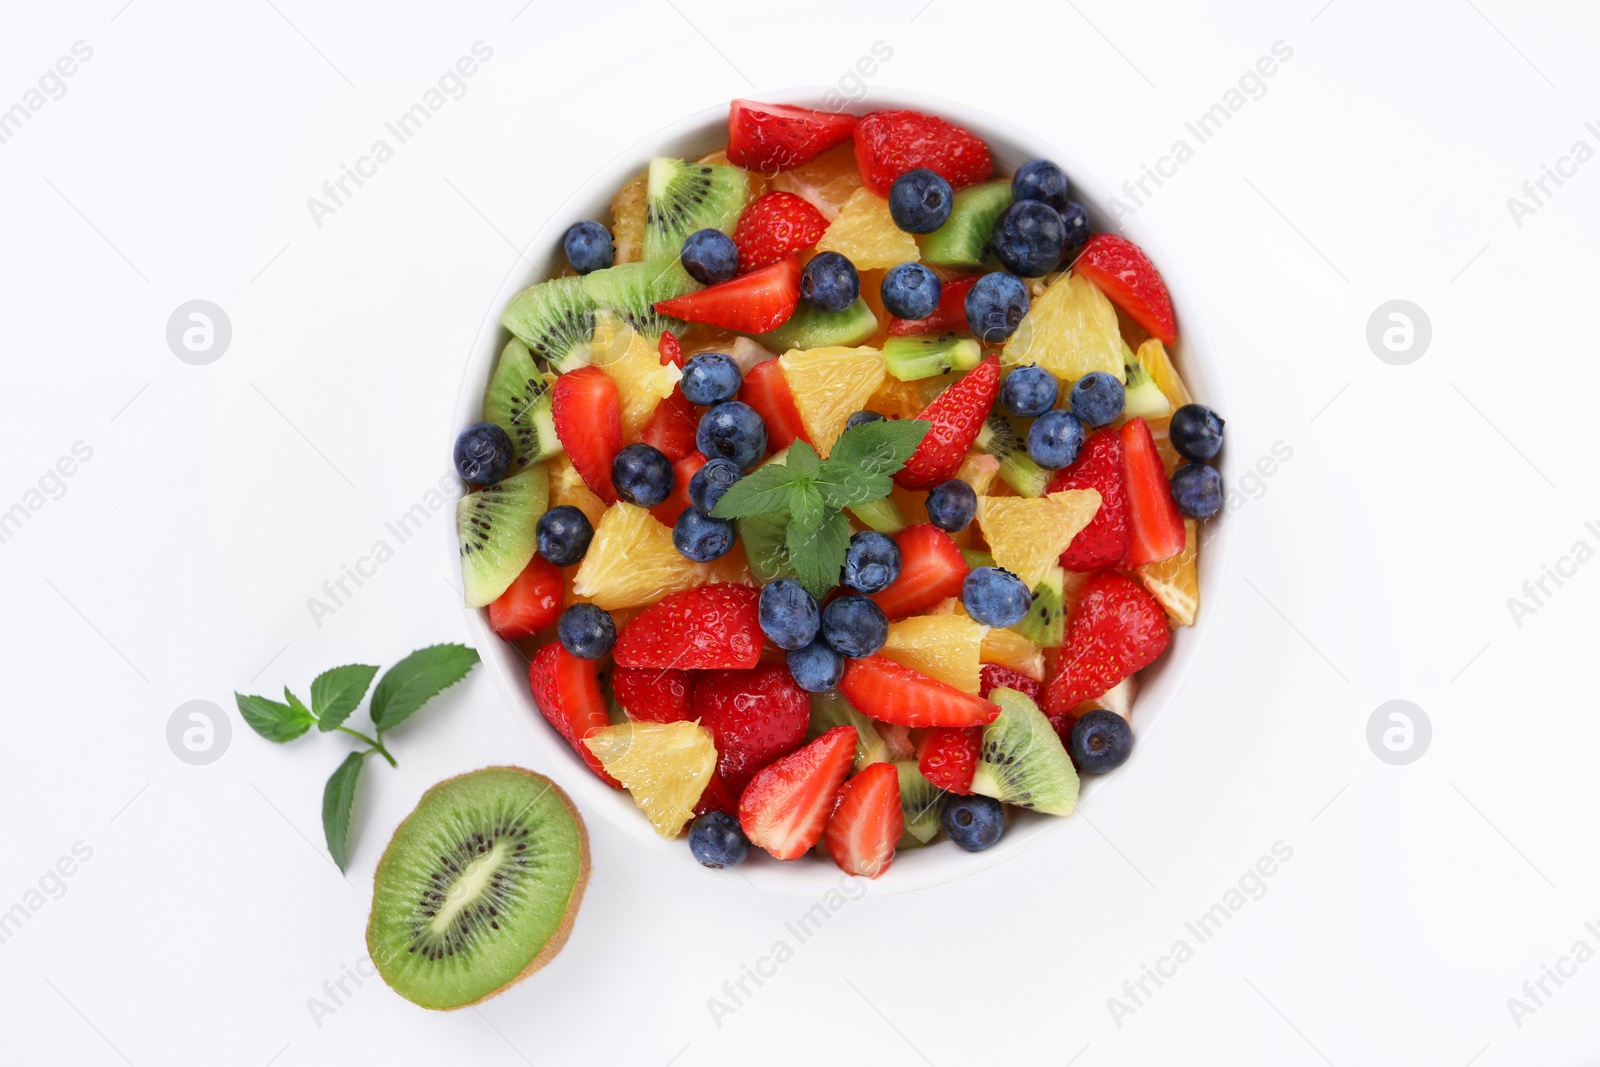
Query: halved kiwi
1046 622
810 328
686 197
963 240
478 887
518 401
913 358
496 530
555 319
1022 761
1001 440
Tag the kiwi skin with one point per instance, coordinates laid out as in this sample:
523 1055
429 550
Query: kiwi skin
557 940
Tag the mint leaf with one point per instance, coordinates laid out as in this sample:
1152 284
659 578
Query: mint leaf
817 551
848 487
761 492
336 693
879 447
272 720
338 797
803 461
295 705
806 506
415 680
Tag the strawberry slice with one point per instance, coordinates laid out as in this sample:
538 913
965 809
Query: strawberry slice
1104 542
671 351
786 805
1155 523
880 688
957 415
889 143
530 603
755 717
751 303
951 314
994 676
1119 269
867 823
588 418
947 756
766 390
671 427
715 797
653 695
932 569
567 690
1116 629
773 137
677 503
705 628
775 227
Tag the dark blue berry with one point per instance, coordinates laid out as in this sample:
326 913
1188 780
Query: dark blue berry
910 291
854 626
920 202
1027 238
699 538
995 597
861 418
483 453
973 823
642 475
711 481
588 247
789 615
951 505
1100 741
586 631
1097 398
995 306
733 431
710 378
564 534
816 668
1040 179
872 563
717 840
1075 221
1197 490
710 257
830 282
1196 432
1054 439
1029 391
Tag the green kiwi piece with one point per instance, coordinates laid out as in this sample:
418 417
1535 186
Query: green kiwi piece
810 328
963 240
684 197
495 526
1046 622
921 804
555 319
1002 441
913 358
632 290
518 401
478 887
831 709
881 515
1143 398
976 559
1022 761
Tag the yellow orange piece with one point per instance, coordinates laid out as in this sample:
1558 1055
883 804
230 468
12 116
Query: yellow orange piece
643 381
1027 536
632 561
1161 435
829 385
627 220
568 487
941 646
1070 331
895 399
1176 581
1153 354
866 234
828 182
664 765
979 470
1010 649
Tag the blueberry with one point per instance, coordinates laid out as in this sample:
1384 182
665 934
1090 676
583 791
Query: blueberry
711 481
1040 179
861 418
1097 398
789 616
995 306
1054 439
733 431
816 668
951 505
910 291
1075 220
710 256
483 453
710 378
586 631
1027 238
699 538
872 563
717 840
974 822
642 475
854 626
995 597
1197 490
1196 432
564 534
1029 391
920 202
830 282
1100 741
588 247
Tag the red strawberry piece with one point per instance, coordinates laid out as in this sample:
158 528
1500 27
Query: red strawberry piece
530 603
1154 521
957 415
653 695
773 137
1062 725
671 351
755 717
774 227
1119 269
932 569
567 690
671 427
751 303
786 805
889 143
947 756
716 797
1104 542
710 627
588 418
867 822
677 502
994 676
766 390
1117 629
951 314
880 688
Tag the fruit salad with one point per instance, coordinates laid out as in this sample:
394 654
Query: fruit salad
839 490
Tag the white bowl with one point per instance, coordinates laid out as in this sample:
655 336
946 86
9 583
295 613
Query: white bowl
1160 684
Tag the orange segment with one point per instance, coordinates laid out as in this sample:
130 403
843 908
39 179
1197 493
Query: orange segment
865 233
664 765
1153 354
643 381
1010 649
1070 330
632 561
1027 536
828 182
1176 581
941 646
568 487
627 220
829 385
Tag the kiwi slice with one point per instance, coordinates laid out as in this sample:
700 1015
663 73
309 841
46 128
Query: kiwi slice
495 526
555 320
831 709
921 804
881 515
518 401
1022 761
963 240
1046 622
1143 398
1002 441
478 887
913 358
976 559
810 328
685 197
632 290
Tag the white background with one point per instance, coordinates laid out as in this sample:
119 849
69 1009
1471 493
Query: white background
1375 565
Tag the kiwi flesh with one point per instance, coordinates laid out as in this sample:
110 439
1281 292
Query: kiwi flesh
555 319
518 401
882 515
495 527
1002 441
911 359
1143 398
975 559
1046 622
478 888
963 240
810 328
685 197
921 804
1022 761
633 289
831 709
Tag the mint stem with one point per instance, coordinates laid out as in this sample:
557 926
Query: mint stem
377 745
